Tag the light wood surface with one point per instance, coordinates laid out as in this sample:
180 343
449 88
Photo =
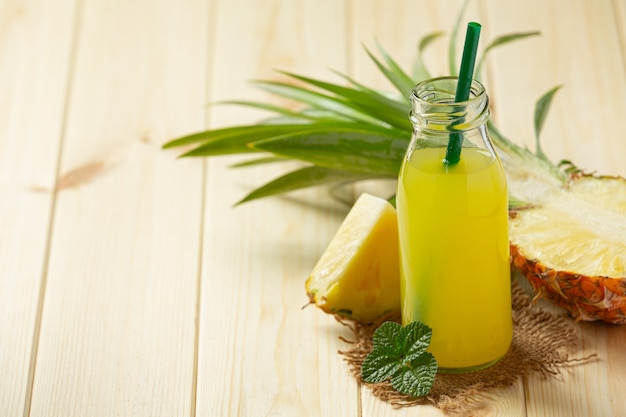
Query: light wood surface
130 286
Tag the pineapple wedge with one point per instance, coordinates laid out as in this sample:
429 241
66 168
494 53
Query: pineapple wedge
358 276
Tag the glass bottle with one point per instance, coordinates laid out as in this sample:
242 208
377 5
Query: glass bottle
453 228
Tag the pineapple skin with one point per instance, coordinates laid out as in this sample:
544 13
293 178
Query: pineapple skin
586 298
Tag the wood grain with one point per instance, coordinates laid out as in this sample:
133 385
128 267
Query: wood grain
259 352
118 326
35 56
577 49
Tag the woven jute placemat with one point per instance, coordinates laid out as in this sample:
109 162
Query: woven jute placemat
542 344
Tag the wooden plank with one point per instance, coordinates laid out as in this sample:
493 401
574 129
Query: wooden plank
35 50
118 328
620 19
580 49
259 353
399 30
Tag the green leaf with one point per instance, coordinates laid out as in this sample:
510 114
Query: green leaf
516 204
275 109
389 111
385 337
400 103
400 353
401 81
409 341
405 81
241 134
524 155
238 139
416 379
317 100
378 367
377 153
568 167
259 161
541 111
501 40
415 339
301 178
420 72
375 120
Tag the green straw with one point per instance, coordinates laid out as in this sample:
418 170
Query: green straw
466 73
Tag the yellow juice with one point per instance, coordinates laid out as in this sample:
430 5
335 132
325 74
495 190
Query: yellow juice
453 227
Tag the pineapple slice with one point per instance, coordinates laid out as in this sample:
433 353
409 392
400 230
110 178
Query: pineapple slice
358 276
572 246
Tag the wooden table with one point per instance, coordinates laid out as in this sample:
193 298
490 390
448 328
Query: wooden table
130 286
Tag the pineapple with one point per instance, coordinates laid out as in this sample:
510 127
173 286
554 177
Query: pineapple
570 245
567 228
358 275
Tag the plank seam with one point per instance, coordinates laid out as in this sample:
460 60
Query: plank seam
211 21
196 347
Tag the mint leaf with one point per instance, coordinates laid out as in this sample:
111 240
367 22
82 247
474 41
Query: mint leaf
400 354
378 367
385 336
416 379
416 338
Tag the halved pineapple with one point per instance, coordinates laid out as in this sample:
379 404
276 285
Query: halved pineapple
571 246
358 275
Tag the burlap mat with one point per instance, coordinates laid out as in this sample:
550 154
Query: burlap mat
541 342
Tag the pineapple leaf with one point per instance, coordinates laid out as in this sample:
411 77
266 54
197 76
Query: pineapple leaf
276 109
355 149
407 83
541 111
243 134
524 154
420 72
400 80
316 100
301 178
350 129
516 204
398 103
568 167
237 139
499 41
389 111
259 161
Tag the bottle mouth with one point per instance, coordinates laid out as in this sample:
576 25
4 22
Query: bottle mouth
440 91
433 107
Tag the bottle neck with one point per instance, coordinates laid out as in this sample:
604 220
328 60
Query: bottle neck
434 111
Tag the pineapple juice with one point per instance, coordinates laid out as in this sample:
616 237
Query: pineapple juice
453 224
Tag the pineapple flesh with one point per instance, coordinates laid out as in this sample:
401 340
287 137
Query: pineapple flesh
358 275
570 243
